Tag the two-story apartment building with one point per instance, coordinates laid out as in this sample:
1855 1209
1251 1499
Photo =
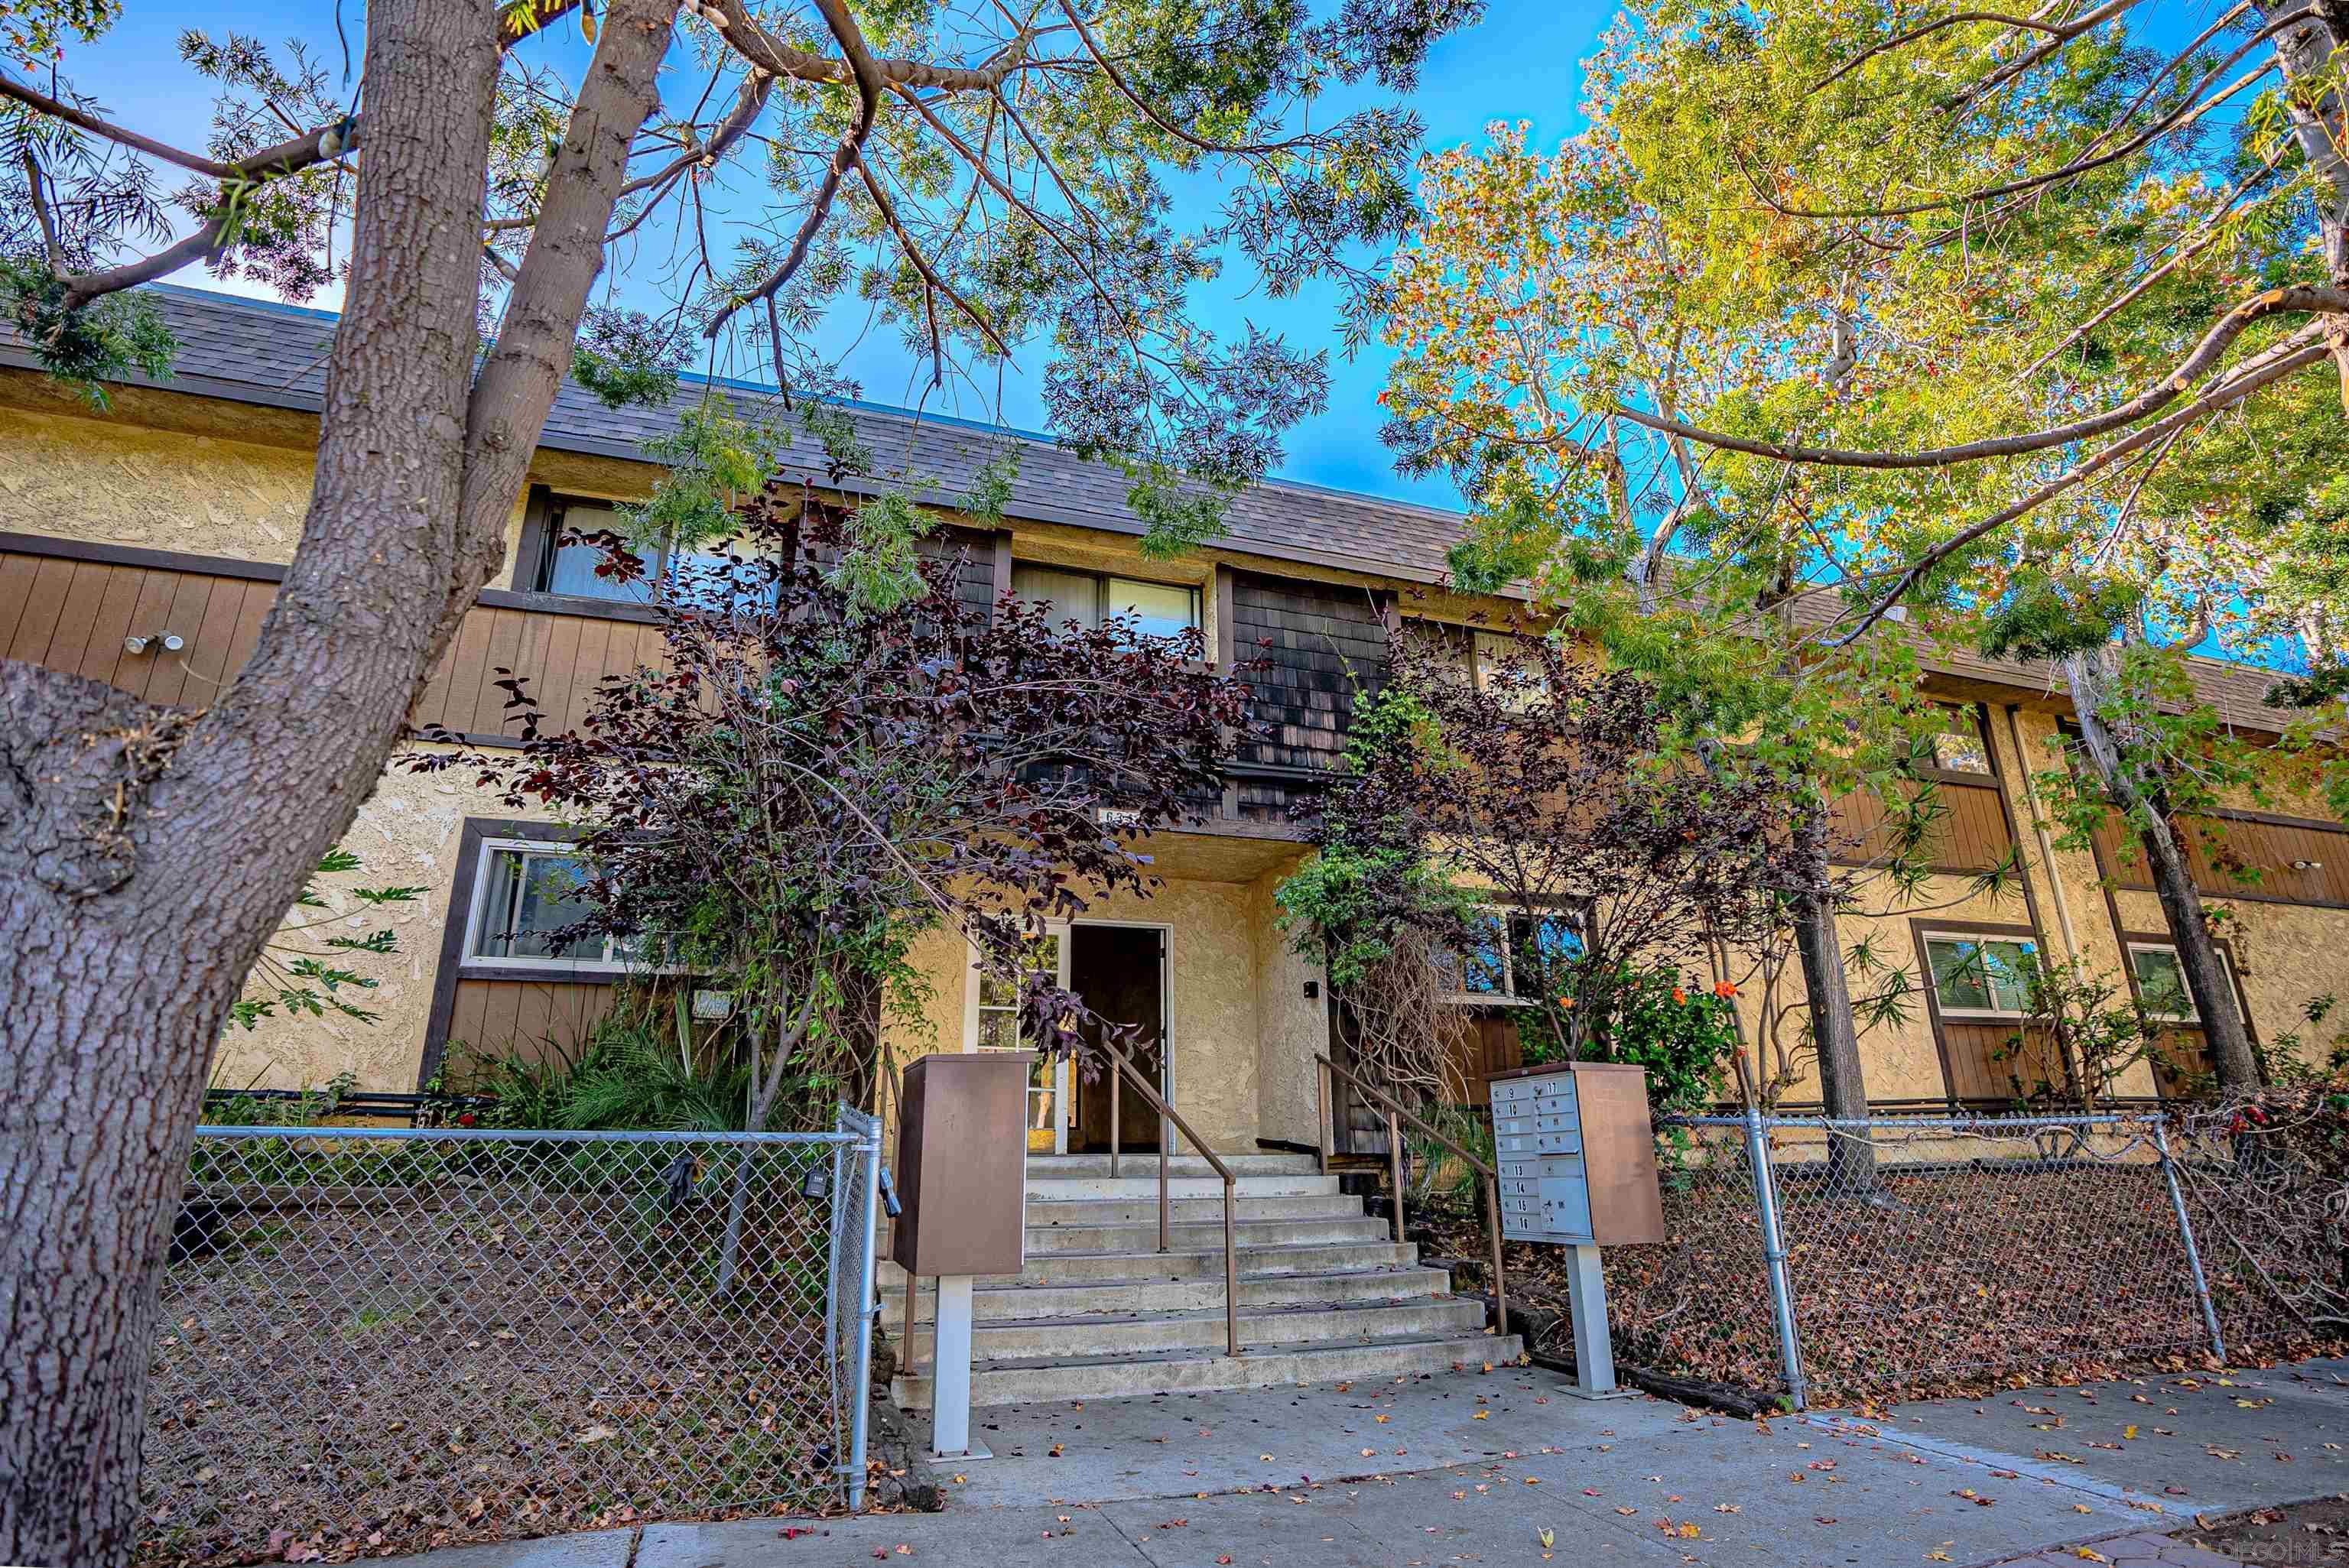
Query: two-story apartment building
140 546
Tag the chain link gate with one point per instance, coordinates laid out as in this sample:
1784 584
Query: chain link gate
388 1333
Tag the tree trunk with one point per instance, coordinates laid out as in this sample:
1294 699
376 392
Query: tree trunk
147 854
2305 53
2141 803
1835 1034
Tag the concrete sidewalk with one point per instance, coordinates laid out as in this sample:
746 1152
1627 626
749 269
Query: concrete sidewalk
1473 1468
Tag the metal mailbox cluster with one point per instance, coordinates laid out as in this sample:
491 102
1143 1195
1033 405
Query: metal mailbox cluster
1577 1155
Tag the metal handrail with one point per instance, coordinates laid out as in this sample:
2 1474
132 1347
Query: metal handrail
1168 1114
1396 1112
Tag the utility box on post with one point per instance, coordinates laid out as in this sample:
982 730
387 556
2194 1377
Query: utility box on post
962 1189
1574 1149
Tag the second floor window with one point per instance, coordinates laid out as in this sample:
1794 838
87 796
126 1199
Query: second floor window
1089 598
570 568
1981 977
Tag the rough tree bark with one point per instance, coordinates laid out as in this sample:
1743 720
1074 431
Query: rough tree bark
1834 1033
2142 802
147 854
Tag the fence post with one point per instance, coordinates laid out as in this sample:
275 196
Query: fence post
2185 1235
862 1246
1773 1252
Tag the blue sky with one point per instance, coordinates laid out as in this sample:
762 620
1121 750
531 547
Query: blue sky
1512 67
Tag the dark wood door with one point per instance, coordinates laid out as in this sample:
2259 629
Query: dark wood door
1120 971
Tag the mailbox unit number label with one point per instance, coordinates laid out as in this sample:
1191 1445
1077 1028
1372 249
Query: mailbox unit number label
1537 1137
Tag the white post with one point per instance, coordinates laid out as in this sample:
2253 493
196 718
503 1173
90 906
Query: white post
1594 1355
950 1373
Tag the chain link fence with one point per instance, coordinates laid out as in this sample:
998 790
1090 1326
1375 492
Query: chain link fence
1840 1261
376 1337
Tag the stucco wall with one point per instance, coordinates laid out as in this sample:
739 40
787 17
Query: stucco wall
110 482
1292 1026
407 835
1211 1005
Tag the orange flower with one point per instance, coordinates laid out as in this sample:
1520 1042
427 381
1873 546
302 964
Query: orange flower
1724 989
1679 994
1566 1000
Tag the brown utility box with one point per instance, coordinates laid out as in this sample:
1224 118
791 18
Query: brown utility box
962 1164
1575 1151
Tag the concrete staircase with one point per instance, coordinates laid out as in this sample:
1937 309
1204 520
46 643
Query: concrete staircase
1100 1313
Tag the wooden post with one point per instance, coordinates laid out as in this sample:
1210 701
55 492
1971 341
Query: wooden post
1117 1084
1322 1109
1394 1170
1492 1231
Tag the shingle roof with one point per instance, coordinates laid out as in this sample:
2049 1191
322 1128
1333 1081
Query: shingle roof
257 351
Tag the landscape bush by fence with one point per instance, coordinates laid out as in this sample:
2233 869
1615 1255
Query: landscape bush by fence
375 1337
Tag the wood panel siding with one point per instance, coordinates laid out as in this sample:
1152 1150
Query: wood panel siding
2003 1061
1319 643
2244 855
1971 834
72 611
533 1019
1485 1043
75 616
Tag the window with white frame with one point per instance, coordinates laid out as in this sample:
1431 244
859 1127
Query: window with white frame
1089 598
525 896
2161 985
1977 976
1511 955
991 1023
1501 657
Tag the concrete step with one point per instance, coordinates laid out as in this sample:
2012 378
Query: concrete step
1254 1262
1043 1240
1128 1188
1026 1380
1064 1167
1203 1329
1198 1210
991 1303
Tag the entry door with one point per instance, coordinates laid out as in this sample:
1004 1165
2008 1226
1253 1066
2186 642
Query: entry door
991 1023
1120 971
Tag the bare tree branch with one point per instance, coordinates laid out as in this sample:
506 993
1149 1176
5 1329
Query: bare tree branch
2310 298
2275 368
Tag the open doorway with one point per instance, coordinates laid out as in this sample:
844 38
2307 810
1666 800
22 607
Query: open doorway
1120 971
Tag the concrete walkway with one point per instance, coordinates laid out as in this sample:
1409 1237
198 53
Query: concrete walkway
1474 1467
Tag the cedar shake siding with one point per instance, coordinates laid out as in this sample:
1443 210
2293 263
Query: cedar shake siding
1319 644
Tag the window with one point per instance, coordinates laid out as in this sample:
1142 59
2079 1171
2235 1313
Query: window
2161 985
991 1023
1981 977
1155 609
1514 953
570 568
1960 749
1497 651
526 893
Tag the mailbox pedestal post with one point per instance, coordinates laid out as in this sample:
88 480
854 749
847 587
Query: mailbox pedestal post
950 1374
962 1154
1594 1348
1576 1151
